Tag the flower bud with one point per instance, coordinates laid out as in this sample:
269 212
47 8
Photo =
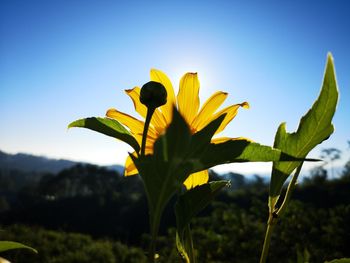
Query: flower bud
153 94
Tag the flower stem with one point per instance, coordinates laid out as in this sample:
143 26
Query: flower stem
150 112
154 225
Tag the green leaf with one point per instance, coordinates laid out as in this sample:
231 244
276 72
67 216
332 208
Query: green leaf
201 139
109 127
314 128
236 151
174 144
193 201
8 245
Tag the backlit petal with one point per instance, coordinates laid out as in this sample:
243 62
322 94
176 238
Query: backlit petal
157 120
134 94
135 125
195 179
225 139
130 168
231 112
221 140
167 109
188 98
208 109
149 142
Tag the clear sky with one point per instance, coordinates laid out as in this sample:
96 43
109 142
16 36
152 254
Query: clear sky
63 60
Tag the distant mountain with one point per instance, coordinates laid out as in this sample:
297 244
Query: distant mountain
39 164
115 167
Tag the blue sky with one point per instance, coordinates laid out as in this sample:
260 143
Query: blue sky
63 60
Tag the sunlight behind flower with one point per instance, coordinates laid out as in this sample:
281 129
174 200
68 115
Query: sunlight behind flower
206 75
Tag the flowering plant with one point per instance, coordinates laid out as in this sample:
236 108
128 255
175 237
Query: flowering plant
174 146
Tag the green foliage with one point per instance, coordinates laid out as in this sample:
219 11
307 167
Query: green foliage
314 128
109 127
230 229
84 198
8 245
61 247
232 226
232 232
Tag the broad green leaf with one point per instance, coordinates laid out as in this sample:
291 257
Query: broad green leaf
201 139
174 145
109 127
193 201
236 151
314 128
8 245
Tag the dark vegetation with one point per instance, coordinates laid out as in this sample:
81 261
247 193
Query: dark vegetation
91 214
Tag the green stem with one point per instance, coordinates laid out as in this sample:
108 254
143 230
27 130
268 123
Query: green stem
156 211
150 112
267 240
276 213
154 225
154 217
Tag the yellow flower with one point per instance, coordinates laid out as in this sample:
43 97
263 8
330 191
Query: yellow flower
187 102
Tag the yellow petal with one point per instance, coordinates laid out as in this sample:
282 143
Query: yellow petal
225 139
187 98
130 168
135 125
231 112
195 179
167 109
134 94
149 143
157 120
221 140
207 110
